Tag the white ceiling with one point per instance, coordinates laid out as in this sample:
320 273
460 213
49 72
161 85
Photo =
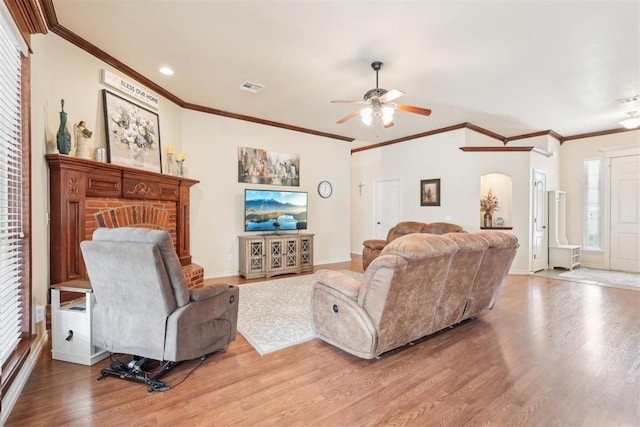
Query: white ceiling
512 67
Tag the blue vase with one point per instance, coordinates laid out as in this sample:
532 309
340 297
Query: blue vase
63 136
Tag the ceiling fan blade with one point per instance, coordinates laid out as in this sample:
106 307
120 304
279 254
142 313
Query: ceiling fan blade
412 109
347 102
391 95
348 117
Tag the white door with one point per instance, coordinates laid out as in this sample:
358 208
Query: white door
539 238
625 214
387 205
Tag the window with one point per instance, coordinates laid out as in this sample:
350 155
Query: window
592 226
15 321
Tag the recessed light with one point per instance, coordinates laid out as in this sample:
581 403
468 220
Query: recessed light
166 71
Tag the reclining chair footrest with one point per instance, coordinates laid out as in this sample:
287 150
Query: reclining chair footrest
122 371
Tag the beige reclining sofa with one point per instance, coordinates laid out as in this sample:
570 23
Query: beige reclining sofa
420 284
372 247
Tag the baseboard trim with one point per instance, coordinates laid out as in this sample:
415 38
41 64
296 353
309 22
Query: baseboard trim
219 275
236 273
10 399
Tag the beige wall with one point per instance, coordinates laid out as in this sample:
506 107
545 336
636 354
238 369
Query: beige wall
439 156
217 217
572 156
62 71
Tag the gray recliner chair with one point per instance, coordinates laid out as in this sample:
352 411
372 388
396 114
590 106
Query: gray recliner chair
144 308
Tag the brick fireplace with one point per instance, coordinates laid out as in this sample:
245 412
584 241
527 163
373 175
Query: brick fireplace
86 195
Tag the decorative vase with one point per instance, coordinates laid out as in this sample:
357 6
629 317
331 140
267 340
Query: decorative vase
170 163
63 137
83 141
83 150
136 154
488 221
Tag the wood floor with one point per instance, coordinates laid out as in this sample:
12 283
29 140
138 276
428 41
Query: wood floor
550 353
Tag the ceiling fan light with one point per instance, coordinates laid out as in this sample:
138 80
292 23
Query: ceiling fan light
367 120
366 115
387 111
631 122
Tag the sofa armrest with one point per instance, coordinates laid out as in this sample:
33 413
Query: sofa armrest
346 285
202 326
375 244
208 292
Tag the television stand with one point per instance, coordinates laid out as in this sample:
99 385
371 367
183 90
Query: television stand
268 254
280 233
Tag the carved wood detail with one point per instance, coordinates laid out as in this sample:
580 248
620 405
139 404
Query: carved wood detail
74 181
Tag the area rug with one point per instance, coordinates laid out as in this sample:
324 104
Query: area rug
276 314
604 276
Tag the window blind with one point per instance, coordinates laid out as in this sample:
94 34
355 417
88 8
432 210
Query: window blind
591 223
11 202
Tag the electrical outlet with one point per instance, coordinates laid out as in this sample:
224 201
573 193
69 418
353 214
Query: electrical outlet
40 313
447 217
230 257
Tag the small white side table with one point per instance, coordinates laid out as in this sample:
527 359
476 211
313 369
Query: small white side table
71 324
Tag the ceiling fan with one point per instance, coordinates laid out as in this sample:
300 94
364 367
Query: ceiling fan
379 106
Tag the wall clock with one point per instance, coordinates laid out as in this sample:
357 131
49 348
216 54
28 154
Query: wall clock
325 189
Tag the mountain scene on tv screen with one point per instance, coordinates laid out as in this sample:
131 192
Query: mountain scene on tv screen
268 214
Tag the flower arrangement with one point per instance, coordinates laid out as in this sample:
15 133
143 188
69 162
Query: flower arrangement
489 203
133 127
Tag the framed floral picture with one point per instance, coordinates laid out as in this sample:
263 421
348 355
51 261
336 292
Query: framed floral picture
133 133
430 192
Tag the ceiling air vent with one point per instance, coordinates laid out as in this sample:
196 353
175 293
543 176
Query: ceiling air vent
251 87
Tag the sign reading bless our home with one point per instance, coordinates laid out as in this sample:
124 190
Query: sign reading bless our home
129 88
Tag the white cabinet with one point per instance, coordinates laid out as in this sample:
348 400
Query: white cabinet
565 256
273 254
561 253
71 324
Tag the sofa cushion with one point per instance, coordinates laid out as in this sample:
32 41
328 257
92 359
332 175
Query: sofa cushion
441 228
418 246
405 227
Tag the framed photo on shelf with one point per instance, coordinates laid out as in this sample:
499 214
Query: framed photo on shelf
133 133
430 192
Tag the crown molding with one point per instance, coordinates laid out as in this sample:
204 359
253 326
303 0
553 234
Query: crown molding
592 134
222 113
71 37
549 132
55 27
27 17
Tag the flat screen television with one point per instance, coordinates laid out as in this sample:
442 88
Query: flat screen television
266 210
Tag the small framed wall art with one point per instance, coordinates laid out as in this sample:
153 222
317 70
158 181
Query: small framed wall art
133 133
430 192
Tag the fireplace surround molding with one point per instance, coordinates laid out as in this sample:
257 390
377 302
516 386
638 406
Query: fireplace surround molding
86 194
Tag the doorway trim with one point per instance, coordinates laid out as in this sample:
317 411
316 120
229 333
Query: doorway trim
376 183
542 211
608 154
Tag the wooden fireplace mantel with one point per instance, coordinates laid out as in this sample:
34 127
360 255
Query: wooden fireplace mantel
75 183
